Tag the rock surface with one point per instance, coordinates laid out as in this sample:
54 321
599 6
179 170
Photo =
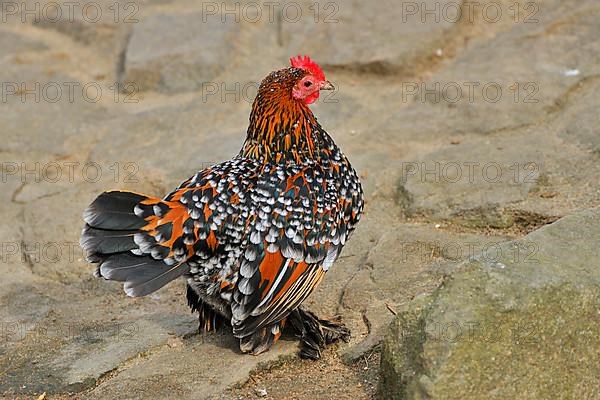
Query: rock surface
193 51
522 325
394 115
315 26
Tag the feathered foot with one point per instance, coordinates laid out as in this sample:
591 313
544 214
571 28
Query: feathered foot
261 340
316 333
209 320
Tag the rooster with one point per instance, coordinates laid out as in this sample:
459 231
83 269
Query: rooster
253 236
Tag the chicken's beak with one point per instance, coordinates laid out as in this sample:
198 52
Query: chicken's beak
327 86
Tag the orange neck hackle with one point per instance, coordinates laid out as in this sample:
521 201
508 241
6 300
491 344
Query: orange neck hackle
281 127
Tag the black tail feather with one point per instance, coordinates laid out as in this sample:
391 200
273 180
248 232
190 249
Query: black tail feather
106 241
114 210
109 239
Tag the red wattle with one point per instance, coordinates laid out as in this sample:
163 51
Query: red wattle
312 98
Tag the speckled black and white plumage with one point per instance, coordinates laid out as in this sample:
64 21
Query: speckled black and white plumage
253 236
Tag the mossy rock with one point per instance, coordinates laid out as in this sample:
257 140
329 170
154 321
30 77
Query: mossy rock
523 325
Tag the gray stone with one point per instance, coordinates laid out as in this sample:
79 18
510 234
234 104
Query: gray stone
501 182
518 325
189 369
12 43
103 24
67 348
581 109
471 181
508 75
200 133
191 51
356 35
45 99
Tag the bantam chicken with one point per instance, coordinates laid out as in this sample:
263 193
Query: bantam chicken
253 236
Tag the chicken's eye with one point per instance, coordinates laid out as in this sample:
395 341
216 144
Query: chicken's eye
307 84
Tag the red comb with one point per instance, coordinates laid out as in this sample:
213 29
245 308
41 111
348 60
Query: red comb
309 65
